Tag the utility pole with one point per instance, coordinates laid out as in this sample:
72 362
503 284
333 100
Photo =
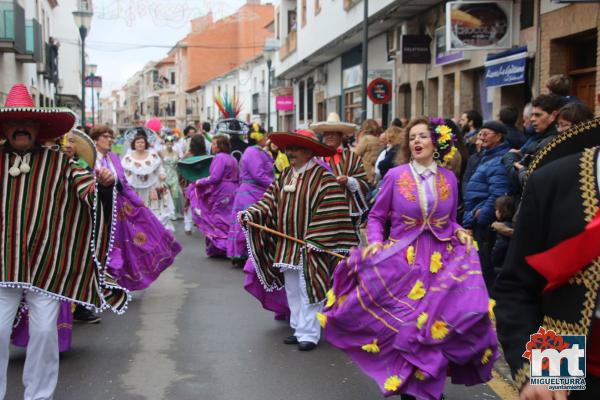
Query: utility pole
365 60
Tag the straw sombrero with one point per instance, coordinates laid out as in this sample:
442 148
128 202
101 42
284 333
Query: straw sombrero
301 138
84 146
573 140
54 122
333 124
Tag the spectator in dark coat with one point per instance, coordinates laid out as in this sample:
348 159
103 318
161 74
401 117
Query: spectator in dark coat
488 182
503 226
470 122
508 116
560 85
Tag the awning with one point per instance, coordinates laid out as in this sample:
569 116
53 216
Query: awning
506 68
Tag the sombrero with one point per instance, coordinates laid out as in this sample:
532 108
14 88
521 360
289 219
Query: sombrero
333 124
131 133
54 122
86 150
231 126
194 168
301 138
573 140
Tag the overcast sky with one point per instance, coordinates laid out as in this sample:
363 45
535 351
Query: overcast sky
121 27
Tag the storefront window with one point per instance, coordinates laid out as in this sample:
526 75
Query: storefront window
352 105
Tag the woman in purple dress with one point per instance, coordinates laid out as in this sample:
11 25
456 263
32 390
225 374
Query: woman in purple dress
211 198
412 308
142 248
256 174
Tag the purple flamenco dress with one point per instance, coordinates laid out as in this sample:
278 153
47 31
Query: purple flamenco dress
211 200
64 325
417 310
142 247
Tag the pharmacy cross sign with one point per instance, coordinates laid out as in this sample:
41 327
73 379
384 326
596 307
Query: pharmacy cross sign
380 91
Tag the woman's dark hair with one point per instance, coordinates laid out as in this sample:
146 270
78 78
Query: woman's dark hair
189 128
206 126
223 144
198 146
397 122
99 130
506 207
575 113
138 137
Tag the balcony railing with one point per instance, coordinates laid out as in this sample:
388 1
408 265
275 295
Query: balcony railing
12 27
33 42
289 45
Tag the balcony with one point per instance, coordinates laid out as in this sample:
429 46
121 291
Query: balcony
12 27
289 45
259 103
33 43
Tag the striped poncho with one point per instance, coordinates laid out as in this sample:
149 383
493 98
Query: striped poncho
47 233
347 163
316 212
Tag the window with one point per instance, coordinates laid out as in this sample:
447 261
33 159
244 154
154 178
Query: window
527 13
303 10
173 103
301 100
292 20
317 7
172 78
310 89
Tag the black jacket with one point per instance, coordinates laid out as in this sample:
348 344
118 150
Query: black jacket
559 200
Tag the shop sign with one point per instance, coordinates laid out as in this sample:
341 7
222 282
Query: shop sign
442 55
478 25
416 49
284 103
508 68
93 81
380 91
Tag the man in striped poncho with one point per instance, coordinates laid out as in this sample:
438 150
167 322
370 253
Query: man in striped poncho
306 203
46 226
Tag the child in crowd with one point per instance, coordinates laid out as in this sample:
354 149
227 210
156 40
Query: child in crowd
504 228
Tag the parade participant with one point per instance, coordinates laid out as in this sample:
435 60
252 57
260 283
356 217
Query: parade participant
211 199
308 204
142 247
412 307
197 147
230 107
170 159
256 174
345 164
281 161
550 277
53 237
146 175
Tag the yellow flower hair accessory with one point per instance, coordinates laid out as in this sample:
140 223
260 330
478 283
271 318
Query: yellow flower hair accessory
436 262
371 347
418 291
392 383
439 330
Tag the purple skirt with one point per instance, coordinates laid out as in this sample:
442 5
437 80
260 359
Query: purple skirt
64 324
247 195
413 319
275 301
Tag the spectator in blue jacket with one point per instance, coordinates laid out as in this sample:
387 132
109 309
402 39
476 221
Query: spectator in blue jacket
488 182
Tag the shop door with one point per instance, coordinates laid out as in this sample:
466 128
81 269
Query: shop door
584 87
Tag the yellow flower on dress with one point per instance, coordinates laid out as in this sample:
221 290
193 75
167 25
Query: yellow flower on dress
418 291
419 375
392 383
422 319
322 319
330 298
436 262
439 330
341 300
486 356
410 255
371 347
491 306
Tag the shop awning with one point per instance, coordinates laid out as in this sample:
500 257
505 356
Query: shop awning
506 68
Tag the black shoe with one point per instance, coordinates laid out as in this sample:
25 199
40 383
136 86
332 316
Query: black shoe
291 340
82 314
306 346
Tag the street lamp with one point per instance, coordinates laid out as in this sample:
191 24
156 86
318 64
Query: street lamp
91 70
271 46
83 21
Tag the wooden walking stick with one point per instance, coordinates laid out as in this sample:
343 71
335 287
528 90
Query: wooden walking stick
293 239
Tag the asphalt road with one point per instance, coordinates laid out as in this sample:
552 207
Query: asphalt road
195 334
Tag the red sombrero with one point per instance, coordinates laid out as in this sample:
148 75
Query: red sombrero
301 138
54 122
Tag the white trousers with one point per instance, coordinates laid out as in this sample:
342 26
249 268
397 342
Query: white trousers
40 374
188 222
303 318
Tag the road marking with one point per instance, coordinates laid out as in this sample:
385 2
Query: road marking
502 388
